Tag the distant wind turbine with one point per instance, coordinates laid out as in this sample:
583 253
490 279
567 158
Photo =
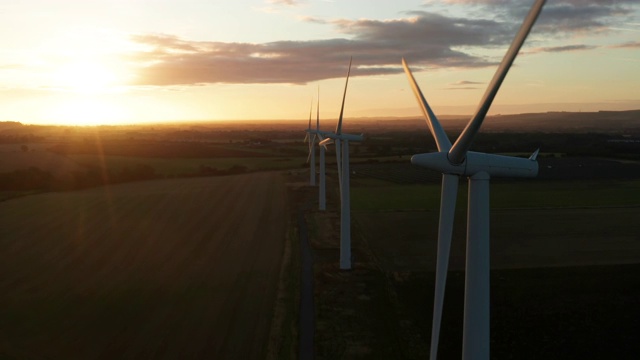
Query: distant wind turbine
317 134
322 195
311 158
341 141
454 161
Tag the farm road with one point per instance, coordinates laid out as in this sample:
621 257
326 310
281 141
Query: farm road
166 269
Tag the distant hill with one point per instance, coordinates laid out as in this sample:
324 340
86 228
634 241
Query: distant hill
566 122
7 125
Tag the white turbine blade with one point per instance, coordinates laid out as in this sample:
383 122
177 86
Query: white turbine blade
318 111
442 141
306 137
309 156
327 141
534 156
344 96
310 112
462 145
445 230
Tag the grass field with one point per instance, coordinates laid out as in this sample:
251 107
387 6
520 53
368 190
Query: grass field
184 166
164 269
521 194
564 280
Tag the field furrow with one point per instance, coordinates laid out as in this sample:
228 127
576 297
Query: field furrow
165 269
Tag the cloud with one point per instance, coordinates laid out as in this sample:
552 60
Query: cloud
465 82
311 19
563 16
284 2
428 40
627 45
556 49
425 39
461 88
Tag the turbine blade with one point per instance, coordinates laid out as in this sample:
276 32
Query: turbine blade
327 141
344 95
318 111
442 141
445 231
309 156
310 112
306 137
534 156
459 149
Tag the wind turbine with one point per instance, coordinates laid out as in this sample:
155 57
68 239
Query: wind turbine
322 197
341 141
311 158
454 161
319 134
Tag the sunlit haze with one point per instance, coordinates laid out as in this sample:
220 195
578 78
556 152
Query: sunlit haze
112 62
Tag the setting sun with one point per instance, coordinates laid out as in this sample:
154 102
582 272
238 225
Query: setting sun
85 77
86 110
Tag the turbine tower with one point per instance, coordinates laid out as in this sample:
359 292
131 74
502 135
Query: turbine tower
454 161
341 141
322 194
317 134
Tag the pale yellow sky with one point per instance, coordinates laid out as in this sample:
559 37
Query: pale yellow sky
104 62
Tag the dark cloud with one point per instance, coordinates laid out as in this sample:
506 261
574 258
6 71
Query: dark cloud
563 16
427 40
377 46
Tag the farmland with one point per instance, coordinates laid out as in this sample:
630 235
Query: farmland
163 269
564 249
146 242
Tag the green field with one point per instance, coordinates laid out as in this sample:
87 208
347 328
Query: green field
180 166
563 255
522 194
163 269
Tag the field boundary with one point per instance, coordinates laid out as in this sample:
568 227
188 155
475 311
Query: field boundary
283 334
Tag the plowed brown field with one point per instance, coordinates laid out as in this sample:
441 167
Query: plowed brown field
175 269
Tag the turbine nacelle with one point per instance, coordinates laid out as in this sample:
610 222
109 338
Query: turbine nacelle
475 162
332 136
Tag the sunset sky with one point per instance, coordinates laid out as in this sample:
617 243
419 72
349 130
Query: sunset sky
129 61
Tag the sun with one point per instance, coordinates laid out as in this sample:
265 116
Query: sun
86 91
85 77
87 110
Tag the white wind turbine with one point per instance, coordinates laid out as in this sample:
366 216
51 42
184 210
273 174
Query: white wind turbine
311 158
322 197
454 161
341 141
317 134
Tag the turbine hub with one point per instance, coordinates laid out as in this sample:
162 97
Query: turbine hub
475 162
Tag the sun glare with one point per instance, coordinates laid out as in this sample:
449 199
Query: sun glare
85 77
83 111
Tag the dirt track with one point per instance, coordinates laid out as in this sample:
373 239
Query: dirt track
167 269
